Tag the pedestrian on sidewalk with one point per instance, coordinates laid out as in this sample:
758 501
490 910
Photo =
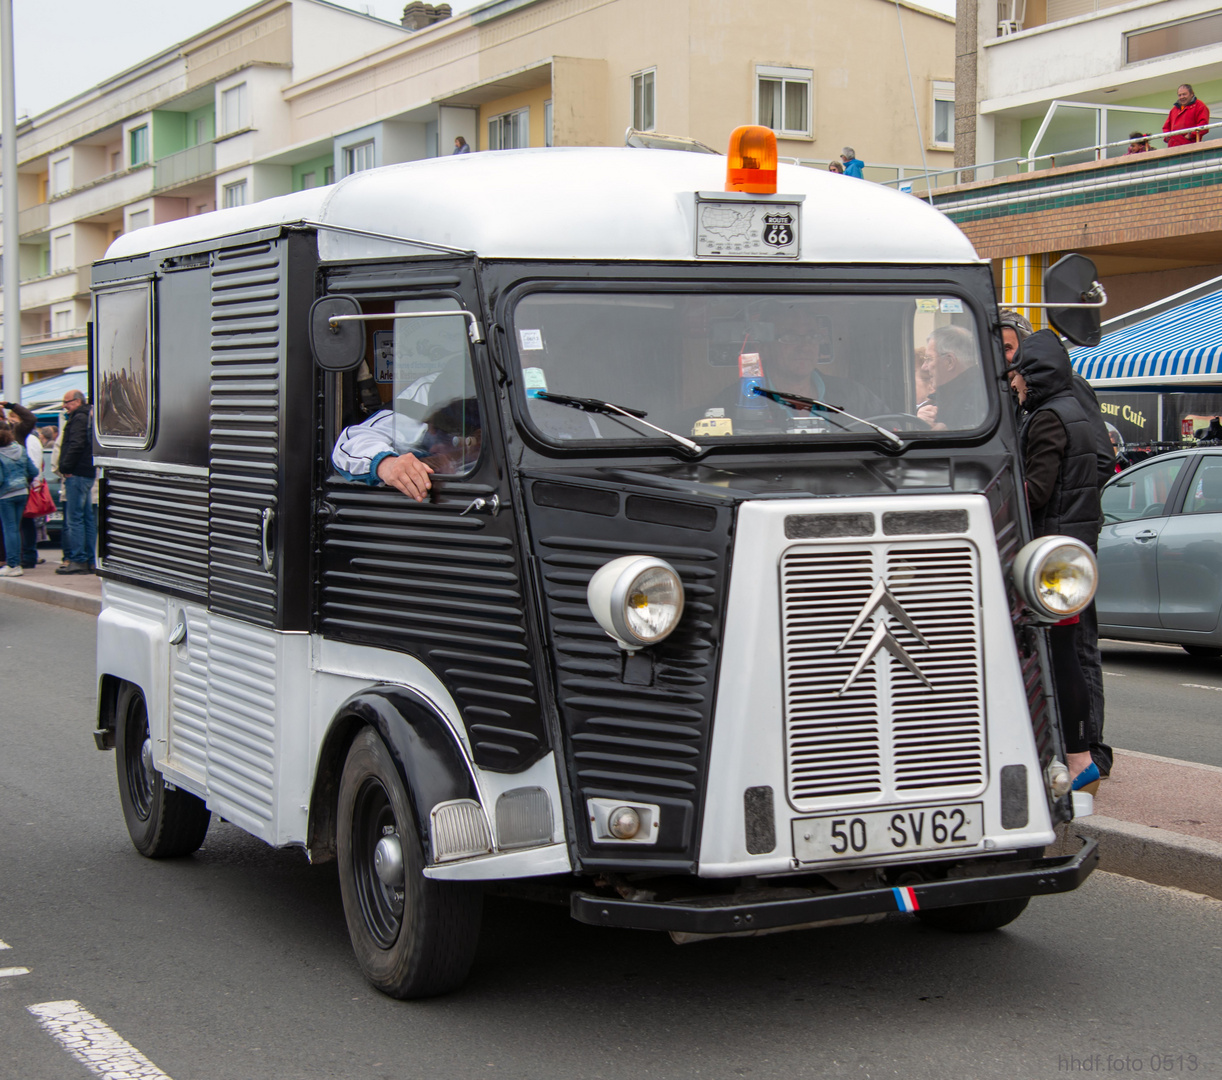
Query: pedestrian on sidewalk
25 430
1015 329
76 470
1061 468
16 472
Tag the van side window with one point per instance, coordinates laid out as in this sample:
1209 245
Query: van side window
122 367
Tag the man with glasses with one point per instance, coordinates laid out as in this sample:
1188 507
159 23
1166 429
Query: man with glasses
76 471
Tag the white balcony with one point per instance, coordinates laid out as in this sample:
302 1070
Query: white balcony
52 289
185 166
102 196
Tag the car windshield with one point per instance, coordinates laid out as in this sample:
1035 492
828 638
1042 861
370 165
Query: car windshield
693 364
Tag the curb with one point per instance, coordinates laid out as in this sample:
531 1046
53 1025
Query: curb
51 594
1158 856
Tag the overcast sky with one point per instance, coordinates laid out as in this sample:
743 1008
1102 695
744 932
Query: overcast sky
64 47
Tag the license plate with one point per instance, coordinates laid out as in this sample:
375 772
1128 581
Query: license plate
887 832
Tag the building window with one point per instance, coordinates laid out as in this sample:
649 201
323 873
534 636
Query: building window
358 158
234 194
61 322
141 219
784 100
139 143
201 131
61 253
1172 38
328 174
116 160
233 109
308 180
547 123
61 176
643 100
509 131
943 135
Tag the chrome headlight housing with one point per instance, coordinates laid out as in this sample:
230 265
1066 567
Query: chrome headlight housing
637 599
1056 577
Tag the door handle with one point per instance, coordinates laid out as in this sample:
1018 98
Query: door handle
266 520
492 505
1146 536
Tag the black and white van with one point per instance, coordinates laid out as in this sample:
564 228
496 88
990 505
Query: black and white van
700 627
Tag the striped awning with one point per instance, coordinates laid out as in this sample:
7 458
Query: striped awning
1179 348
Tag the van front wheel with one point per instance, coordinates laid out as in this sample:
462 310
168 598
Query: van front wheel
162 822
412 936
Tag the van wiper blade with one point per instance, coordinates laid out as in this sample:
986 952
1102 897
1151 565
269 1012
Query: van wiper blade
782 398
593 405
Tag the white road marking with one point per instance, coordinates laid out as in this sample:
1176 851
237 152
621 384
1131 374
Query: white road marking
1139 644
99 1048
1116 674
4 946
1200 686
7 972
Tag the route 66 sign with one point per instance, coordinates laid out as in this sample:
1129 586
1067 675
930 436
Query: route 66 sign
743 228
778 230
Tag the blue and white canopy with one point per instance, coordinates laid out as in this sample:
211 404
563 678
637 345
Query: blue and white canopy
1180 348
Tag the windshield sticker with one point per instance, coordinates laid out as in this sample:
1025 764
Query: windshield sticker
532 340
952 307
749 366
384 356
927 304
534 379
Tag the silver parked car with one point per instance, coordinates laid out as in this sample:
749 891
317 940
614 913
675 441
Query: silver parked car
1160 552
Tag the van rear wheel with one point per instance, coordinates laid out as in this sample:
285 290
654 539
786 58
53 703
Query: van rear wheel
162 822
412 936
975 918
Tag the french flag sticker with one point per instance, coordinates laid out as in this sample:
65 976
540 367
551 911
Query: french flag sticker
905 899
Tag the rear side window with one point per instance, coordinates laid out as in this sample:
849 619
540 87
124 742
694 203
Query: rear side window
123 366
1205 491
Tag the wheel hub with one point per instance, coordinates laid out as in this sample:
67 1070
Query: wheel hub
388 861
146 756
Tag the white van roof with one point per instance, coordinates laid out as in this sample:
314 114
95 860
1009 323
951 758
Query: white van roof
574 203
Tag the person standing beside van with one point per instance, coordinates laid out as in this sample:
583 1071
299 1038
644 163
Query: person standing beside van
76 469
1060 464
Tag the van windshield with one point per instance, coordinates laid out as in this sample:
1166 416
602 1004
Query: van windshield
694 363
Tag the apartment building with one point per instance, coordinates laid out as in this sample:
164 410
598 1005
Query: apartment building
1043 87
292 94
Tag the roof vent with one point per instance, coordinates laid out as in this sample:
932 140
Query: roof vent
417 15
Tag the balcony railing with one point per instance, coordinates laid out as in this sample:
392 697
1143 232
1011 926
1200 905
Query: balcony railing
186 165
33 219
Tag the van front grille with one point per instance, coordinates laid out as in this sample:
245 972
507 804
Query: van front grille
861 725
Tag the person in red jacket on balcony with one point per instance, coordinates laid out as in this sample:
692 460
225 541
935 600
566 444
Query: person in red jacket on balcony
1187 118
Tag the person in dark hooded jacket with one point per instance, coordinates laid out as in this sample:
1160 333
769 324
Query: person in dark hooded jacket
1061 468
1014 331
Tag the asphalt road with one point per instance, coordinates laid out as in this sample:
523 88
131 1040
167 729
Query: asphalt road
1160 700
235 963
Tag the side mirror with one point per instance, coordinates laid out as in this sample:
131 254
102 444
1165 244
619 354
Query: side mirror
1073 280
336 346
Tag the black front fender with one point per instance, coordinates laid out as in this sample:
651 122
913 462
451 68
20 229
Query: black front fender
426 753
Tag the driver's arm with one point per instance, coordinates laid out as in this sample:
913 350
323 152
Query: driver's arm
366 454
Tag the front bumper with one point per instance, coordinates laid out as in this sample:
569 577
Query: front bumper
733 914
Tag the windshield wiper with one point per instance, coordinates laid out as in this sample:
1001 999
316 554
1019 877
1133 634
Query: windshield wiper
593 405
813 403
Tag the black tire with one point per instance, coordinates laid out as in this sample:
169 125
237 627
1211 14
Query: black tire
411 942
162 823
1202 652
975 918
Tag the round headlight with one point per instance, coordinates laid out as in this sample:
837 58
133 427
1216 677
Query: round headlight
636 599
1056 576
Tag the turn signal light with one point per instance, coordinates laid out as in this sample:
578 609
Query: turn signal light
751 164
